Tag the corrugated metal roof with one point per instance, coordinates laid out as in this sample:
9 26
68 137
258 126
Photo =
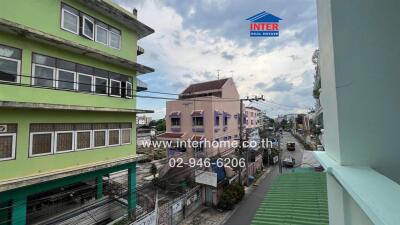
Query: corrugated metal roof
295 199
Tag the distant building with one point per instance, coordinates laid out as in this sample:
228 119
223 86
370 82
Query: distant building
208 110
253 117
143 120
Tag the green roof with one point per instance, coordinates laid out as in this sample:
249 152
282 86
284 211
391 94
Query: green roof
295 199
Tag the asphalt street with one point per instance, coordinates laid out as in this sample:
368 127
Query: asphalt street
248 207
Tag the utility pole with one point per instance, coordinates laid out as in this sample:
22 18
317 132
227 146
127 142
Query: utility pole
218 73
255 98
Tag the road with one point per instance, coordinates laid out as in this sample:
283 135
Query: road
248 207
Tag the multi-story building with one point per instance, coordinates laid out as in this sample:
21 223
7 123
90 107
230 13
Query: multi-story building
143 120
67 107
204 111
253 117
359 52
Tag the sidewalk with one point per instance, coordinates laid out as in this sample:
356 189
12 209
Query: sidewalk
210 216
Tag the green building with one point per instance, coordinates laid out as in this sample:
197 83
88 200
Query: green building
67 100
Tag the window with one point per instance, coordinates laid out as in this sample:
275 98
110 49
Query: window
99 138
88 27
70 19
197 121
128 90
41 143
101 33
113 137
176 121
126 135
115 88
85 82
101 85
43 76
225 121
216 121
7 146
83 139
115 38
64 141
10 61
65 79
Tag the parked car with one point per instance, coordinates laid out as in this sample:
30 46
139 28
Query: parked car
291 146
289 162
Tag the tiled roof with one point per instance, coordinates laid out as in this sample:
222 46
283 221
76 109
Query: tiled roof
205 86
295 199
170 135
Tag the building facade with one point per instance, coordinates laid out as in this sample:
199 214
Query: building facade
204 111
253 117
359 67
67 107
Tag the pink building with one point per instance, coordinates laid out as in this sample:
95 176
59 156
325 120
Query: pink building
252 117
205 111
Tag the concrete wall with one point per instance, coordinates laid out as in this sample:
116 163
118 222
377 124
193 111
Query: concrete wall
360 70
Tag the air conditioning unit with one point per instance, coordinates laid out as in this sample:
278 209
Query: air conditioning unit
3 128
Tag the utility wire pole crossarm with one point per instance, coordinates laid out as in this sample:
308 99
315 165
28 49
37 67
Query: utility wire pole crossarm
255 98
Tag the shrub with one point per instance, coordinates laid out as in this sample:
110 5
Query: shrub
231 195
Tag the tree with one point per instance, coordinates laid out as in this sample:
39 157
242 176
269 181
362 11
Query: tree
159 124
299 119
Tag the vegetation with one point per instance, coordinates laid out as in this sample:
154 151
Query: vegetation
231 195
160 124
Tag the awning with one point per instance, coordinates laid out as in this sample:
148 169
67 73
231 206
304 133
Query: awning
168 135
197 138
197 113
175 114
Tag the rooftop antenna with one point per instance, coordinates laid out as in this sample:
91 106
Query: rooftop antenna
231 73
218 73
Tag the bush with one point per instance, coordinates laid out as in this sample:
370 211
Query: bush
230 196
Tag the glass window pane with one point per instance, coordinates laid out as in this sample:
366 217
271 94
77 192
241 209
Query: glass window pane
99 138
83 140
88 28
10 52
43 76
115 87
85 83
70 21
66 80
101 35
44 60
101 86
8 70
41 143
6 147
129 90
126 136
64 141
114 40
113 137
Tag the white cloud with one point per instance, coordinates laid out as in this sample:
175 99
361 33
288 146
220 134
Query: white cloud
189 50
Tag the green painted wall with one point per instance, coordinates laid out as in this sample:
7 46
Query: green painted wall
45 15
40 95
25 166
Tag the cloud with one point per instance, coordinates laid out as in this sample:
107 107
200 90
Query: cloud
194 39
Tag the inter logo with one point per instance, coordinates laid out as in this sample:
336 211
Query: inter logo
264 25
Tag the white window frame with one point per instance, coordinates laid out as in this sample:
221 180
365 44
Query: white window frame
109 40
18 69
111 80
76 140
31 143
84 18
58 78
14 136
34 73
88 75
98 26
120 135
126 90
64 10
106 140
95 86
56 140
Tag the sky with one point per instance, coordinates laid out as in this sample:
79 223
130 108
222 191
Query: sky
194 39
